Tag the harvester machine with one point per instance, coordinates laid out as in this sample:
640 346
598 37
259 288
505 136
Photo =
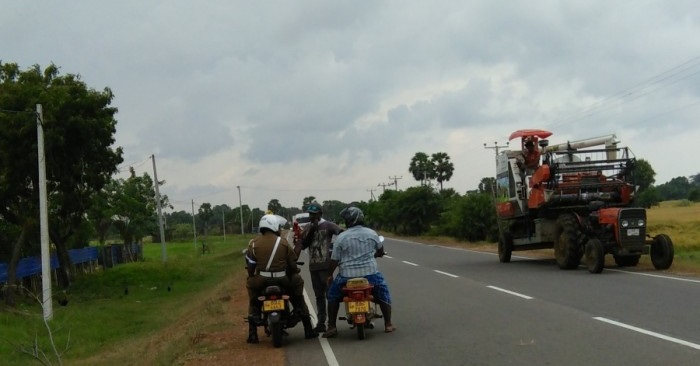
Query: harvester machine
576 197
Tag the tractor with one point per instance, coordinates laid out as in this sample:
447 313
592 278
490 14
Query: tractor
576 197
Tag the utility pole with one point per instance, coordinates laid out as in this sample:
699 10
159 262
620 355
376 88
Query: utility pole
194 228
46 297
496 147
240 204
396 184
383 185
160 212
223 221
371 194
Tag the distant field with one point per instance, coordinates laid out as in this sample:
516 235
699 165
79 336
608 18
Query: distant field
678 219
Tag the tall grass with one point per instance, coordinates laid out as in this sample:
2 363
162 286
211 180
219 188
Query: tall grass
680 220
126 301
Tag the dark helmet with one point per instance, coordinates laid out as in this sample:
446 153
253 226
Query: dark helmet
313 208
352 216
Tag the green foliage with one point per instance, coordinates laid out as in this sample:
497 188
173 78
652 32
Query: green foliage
443 167
694 194
648 198
125 302
471 217
675 189
424 168
643 174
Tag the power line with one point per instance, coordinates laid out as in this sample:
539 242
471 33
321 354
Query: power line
655 83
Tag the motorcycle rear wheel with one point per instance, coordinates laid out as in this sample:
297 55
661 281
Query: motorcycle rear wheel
276 330
360 331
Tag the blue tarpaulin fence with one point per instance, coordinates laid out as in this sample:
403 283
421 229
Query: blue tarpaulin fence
30 266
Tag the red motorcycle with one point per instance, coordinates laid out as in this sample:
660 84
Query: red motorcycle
360 309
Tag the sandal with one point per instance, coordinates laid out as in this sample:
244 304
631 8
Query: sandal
389 328
330 333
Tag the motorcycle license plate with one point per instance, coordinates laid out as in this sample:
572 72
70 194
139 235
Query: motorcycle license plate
632 232
358 306
272 305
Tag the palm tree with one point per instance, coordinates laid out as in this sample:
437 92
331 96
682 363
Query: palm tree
443 167
421 167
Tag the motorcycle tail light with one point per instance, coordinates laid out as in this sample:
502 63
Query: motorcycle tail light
358 295
273 297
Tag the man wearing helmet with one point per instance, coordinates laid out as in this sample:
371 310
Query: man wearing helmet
317 237
354 253
271 260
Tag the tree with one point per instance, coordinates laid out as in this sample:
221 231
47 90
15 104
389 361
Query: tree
274 206
487 185
205 214
643 174
421 167
443 167
306 202
79 128
676 189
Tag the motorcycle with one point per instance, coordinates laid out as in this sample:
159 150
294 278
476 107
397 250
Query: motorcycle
276 314
360 308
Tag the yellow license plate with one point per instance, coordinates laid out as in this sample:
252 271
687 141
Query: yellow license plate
272 305
358 307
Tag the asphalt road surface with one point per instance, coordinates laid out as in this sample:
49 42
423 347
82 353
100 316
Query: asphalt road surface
460 307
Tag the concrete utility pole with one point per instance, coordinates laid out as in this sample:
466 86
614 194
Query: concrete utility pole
396 184
383 185
371 194
240 204
194 227
160 212
46 297
495 147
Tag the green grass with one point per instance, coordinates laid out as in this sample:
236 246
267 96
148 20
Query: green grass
126 301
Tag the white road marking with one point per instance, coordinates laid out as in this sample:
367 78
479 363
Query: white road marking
445 273
411 263
325 346
510 292
650 333
653 275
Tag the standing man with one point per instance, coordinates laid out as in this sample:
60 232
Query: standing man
317 238
354 253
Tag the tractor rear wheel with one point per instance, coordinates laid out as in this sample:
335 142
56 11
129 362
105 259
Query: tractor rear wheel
661 252
505 247
626 260
595 256
567 247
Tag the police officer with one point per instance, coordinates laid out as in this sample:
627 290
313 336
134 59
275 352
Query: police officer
271 260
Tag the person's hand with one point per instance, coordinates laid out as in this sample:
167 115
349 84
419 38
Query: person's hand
329 280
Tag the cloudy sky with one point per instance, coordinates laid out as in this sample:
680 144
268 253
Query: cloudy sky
289 99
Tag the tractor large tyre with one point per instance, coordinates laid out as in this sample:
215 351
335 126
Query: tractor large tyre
595 256
505 247
626 260
568 248
661 252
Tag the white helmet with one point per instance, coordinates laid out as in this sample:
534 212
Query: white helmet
269 222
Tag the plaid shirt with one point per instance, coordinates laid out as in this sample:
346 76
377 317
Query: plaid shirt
354 250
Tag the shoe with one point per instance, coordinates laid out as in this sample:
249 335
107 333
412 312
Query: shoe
320 328
330 333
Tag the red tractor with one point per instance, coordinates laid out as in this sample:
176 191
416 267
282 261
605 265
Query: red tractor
576 197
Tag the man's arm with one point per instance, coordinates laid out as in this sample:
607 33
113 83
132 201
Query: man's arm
331 269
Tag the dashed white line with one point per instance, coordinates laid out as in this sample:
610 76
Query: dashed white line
445 273
510 292
411 263
649 333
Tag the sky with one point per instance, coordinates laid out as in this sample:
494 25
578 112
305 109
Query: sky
332 99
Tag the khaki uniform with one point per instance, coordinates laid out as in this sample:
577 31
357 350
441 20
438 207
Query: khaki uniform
283 270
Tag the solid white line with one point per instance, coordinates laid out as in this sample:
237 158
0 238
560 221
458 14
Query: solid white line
653 275
330 356
411 263
511 292
446 274
325 346
650 333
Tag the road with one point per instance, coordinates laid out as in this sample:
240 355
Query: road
461 307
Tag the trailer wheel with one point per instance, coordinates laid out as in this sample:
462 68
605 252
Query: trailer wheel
595 256
626 260
661 252
567 247
505 247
